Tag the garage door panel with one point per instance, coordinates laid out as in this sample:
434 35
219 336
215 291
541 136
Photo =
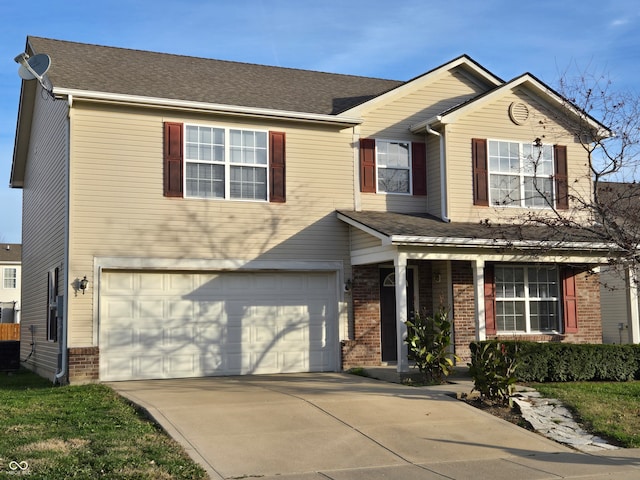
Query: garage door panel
166 325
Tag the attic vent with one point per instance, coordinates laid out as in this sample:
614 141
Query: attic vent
519 113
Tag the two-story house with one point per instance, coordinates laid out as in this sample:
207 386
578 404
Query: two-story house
10 269
190 217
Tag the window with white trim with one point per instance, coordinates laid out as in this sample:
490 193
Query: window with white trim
520 174
393 166
226 163
10 277
527 299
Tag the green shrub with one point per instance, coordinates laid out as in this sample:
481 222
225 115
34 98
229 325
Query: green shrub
565 362
428 340
493 369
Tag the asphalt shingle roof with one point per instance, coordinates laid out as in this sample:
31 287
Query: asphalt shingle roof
160 75
10 252
422 225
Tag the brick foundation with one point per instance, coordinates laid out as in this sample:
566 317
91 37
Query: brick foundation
84 365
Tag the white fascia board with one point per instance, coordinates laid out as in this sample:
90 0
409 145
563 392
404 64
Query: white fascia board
490 242
155 102
385 239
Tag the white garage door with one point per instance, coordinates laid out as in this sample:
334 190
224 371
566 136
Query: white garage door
172 325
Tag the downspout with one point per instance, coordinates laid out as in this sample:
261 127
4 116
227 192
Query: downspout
64 362
444 208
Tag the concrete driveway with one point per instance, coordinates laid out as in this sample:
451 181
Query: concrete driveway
338 426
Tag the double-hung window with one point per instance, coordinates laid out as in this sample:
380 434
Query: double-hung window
393 162
527 299
520 174
226 163
10 277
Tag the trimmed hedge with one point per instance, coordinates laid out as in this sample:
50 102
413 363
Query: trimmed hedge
567 362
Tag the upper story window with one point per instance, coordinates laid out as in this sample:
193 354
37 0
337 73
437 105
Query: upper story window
10 277
393 161
393 167
520 174
226 163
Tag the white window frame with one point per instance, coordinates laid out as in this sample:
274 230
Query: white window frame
7 277
409 168
523 172
527 300
226 162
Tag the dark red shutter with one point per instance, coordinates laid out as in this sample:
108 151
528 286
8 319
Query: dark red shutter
173 148
561 177
569 300
480 172
419 168
277 178
367 165
489 300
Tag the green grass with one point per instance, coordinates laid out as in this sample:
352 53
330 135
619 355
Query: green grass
608 409
82 432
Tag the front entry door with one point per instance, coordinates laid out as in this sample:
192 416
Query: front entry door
389 327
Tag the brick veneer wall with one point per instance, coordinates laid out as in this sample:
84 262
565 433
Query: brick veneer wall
588 306
84 365
365 348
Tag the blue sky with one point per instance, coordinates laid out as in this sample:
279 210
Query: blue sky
396 39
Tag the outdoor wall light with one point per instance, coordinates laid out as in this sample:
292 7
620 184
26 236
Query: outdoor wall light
84 283
347 285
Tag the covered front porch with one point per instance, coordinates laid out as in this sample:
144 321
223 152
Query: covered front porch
403 264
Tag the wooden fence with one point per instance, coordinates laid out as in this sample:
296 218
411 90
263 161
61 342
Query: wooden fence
9 331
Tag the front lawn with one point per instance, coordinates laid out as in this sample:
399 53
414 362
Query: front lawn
83 431
608 409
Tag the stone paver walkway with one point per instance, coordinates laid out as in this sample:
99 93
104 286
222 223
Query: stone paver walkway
551 418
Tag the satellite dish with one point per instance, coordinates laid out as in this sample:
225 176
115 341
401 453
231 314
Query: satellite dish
34 67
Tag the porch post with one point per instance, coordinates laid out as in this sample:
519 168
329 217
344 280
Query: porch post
400 265
634 314
478 297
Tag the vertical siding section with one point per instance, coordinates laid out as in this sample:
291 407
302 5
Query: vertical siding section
392 121
118 207
43 227
492 122
614 300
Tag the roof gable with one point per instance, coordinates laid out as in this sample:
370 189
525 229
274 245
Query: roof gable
462 64
527 80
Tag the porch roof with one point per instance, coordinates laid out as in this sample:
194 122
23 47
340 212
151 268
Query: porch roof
424 229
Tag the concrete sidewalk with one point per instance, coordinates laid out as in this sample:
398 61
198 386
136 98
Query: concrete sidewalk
338 426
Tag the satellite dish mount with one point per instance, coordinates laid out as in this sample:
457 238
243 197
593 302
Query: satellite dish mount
35 68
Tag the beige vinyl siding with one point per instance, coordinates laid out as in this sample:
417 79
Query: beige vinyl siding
492 122
392 120
43 228
118 208
614 305
360 240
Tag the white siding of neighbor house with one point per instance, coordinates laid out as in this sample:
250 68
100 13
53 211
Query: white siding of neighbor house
43 227
614 305
118 208
391 121
492 122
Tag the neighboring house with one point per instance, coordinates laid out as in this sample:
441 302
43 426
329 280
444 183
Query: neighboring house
10 270
232 218
620 305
